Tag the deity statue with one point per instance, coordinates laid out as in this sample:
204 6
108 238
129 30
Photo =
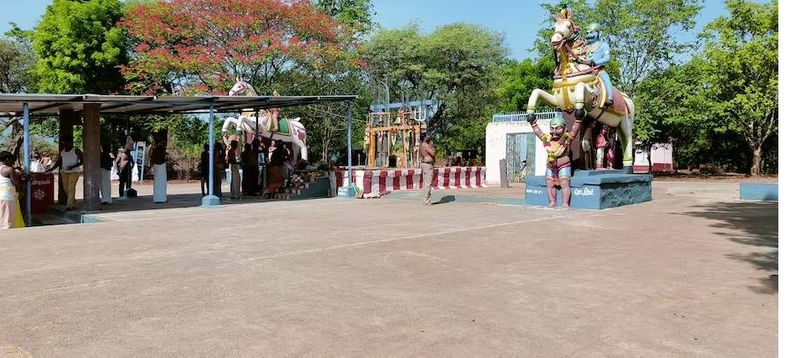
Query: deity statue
597 53
559 169
604 151
581 87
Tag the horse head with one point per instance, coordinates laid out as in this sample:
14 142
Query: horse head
242 88
564 30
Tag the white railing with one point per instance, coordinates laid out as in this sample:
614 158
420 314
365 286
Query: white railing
523 117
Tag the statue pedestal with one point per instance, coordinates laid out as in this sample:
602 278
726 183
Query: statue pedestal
594 189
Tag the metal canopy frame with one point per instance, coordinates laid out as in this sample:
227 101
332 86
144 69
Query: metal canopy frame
53 103
26 105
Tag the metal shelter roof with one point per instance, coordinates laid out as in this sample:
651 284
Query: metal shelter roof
52 103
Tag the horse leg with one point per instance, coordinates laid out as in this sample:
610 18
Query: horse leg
546 97
581 94
626 136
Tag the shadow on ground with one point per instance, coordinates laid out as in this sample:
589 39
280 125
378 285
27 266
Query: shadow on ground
446 199
759 222
145 202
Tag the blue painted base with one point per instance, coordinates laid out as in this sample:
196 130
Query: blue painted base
210 201
757 191
347 192
594 189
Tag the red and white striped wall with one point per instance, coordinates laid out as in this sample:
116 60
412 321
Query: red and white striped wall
386 180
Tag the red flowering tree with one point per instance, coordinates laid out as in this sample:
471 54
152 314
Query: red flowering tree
202 45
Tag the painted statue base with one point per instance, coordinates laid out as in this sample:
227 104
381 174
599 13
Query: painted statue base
758 191
210 201
347 191
594 189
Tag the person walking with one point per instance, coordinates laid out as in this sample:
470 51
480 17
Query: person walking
428 156
158 161
69 165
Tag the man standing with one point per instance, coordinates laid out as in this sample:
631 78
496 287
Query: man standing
106 162
123 162
233 165
158 160
204 170
428 156
69 166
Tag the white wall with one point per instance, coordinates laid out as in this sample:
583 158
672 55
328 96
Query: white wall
496 136
661 153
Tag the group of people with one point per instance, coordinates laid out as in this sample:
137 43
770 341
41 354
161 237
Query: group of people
264 167
70 166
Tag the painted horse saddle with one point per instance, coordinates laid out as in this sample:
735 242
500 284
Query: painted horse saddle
618 106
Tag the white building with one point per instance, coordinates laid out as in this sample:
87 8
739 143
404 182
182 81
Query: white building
510 137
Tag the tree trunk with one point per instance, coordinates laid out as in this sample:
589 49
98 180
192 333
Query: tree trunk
755 170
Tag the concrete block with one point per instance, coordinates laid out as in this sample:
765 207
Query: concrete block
758 191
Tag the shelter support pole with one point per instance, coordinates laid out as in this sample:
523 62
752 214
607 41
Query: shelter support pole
26 128
66 119
350 144
349 190
211 200
91 156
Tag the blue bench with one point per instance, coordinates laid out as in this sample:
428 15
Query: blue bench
758 191
595 189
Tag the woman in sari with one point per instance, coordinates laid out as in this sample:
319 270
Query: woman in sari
10 185
275 170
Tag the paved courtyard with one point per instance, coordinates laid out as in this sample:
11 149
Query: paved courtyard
693 273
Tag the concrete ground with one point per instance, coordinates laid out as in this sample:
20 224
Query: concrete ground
693 273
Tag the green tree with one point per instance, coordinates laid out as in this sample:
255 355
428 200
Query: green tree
79 47
17 62
456 63
519 78
357 14
741 67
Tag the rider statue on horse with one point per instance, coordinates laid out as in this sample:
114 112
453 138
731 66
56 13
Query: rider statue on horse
597 54
582 89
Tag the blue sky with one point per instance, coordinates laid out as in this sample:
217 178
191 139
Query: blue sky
518 19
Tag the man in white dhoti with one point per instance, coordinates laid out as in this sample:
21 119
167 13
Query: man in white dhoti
158 161
106 163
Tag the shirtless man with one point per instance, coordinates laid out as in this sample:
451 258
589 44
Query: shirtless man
428 155
123 163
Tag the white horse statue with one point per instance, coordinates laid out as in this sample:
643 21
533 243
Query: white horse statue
270 126
576 87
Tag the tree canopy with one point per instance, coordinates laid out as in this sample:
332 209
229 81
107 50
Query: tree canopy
79 47
202 45
454 64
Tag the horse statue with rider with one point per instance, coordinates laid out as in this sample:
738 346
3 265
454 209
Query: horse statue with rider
264 124
582 91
